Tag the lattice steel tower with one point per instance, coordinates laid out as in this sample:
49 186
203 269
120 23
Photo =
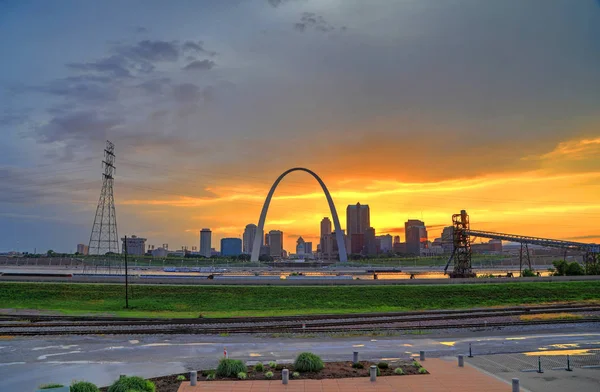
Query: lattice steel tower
104 237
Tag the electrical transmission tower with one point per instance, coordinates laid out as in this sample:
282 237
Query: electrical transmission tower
104 237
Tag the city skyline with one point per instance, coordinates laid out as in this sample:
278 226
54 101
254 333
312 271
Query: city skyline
404 106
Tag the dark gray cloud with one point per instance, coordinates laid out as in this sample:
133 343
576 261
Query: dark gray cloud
186 92
196 47
152 51
200 65
310 20
141 29
115 66
277 3
81 125
155 86
73 88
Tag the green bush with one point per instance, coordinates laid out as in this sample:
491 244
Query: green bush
50 386
358 365
295 375
210 376
422 370
230 367
527 273
574 269
127 384
308 362
242 376
84 386
416 364
181 377
383 365
269 375
272 364
378 372
259 367
399 371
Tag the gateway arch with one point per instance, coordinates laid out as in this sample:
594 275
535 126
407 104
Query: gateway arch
263 215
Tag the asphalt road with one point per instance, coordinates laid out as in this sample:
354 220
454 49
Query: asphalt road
26 363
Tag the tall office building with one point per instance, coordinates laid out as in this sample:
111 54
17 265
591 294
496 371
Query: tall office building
205 235
249 235
386 243
300 247
275 242
231 247
325 226
358 219
308 248
357 243
416 236
448 239
396 239
326 250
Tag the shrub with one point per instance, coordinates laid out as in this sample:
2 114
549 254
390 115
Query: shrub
295 375
210 376
378 372
259 367
416 364
242 376
382 365
50 386
358 365
181 377
574 269
269 375
272 364
422 370
84 386
527 273
308 362
126 384
230 367
279 367
399 371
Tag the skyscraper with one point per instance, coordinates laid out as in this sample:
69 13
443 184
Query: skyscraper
249 235
275 242
231 246
358 219
325 226
300 247
326 250
396 239
205 235
416 236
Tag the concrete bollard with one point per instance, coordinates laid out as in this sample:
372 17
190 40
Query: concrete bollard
355 357
421 355
373 372
285 376
515 385
461 360
193 377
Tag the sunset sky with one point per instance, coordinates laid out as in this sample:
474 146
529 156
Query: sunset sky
419 108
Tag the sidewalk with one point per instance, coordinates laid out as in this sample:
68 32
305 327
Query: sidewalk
445 376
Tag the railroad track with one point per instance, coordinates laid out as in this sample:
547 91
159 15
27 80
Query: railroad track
42 325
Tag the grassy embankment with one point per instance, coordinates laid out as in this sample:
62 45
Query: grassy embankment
227 301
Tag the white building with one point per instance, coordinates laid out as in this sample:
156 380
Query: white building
385 243
160 252
134 245
205 235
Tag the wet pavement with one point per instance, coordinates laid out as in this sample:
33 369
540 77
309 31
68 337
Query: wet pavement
26 363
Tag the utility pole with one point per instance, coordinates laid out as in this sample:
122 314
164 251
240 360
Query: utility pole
126 277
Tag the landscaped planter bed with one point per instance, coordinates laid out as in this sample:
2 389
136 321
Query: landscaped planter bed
330 371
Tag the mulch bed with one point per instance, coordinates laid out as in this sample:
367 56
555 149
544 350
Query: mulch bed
331 370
